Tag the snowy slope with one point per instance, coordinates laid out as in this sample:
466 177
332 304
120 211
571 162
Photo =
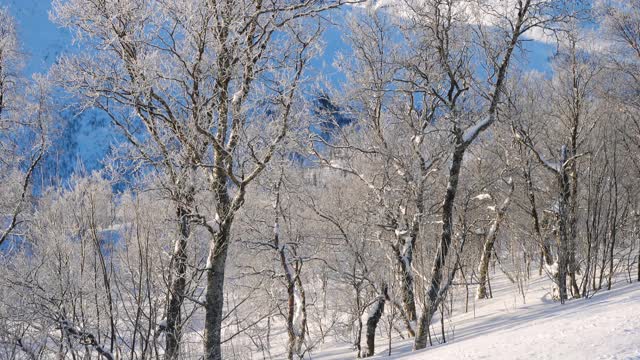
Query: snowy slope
605 326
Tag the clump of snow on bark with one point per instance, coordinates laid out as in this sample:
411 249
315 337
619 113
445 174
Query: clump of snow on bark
483 197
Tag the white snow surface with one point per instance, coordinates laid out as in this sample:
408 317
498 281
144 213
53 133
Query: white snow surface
605 326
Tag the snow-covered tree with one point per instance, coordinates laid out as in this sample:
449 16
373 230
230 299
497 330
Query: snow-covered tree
25 113
201 90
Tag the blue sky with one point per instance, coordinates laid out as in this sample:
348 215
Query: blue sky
44 42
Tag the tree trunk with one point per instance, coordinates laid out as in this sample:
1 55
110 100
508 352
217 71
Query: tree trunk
545 251
637 239
374 318
216 261
444 337
403 250
358 341
572 269
407 323
636 235
611 253
596 254
215 292
302 298
177 289
462 142
483 268
408 297
296 301
575 119
603 262
614 221
443 248
296 305
587 271
291 309
563 180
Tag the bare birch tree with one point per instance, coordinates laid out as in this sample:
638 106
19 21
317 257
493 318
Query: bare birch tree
201 87
513 21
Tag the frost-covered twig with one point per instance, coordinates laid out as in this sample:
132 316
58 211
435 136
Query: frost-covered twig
85 338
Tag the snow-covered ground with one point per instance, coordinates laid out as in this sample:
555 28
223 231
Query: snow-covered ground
605 326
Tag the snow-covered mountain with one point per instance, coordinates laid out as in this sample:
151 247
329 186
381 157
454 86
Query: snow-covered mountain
82 139
86 138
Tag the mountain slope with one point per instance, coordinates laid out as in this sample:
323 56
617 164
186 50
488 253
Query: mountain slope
505 327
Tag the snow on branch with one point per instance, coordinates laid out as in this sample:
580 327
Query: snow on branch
472 132
524 138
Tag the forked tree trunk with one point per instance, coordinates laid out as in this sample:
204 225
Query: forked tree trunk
560 272
216 261
463 140
443 249
296 300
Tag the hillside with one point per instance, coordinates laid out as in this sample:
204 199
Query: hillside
604 326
